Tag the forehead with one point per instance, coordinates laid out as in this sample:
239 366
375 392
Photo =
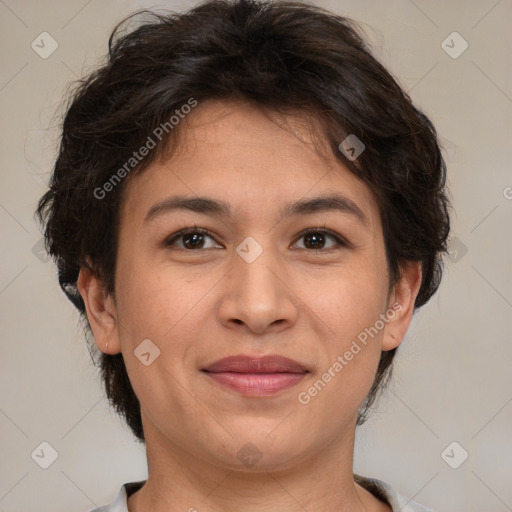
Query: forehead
254 160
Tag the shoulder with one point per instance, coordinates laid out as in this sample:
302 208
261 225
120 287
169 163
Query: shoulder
385 492
120 502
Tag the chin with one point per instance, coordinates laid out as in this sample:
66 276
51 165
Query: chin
254 454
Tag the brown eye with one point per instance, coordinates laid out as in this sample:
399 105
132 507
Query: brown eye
316 239
191 239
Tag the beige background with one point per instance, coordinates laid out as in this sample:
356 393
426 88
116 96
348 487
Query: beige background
452 380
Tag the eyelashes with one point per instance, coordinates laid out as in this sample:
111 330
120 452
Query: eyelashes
182 233
194 239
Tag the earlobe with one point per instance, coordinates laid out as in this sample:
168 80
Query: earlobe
401 305
101 311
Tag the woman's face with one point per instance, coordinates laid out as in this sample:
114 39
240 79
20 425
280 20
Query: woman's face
254 285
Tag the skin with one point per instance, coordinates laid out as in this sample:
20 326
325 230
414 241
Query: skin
199 305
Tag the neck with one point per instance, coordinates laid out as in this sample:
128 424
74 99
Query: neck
323 481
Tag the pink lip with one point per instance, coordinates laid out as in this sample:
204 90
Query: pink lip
256 364
256 376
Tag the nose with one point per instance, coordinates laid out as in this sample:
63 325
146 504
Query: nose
257 296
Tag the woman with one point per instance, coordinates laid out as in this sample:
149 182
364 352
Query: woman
247 210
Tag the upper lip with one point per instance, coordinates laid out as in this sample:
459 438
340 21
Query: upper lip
256 364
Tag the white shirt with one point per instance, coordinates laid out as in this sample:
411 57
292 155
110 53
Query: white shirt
378 488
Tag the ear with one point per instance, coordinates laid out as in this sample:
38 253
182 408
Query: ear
101 311
401 305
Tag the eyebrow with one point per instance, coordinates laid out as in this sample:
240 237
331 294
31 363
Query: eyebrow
209 206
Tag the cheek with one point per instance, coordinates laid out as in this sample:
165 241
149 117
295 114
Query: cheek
351 350
352 299
351 307
140 305
162 306
145 297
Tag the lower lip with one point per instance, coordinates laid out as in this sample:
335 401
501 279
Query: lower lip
257 384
